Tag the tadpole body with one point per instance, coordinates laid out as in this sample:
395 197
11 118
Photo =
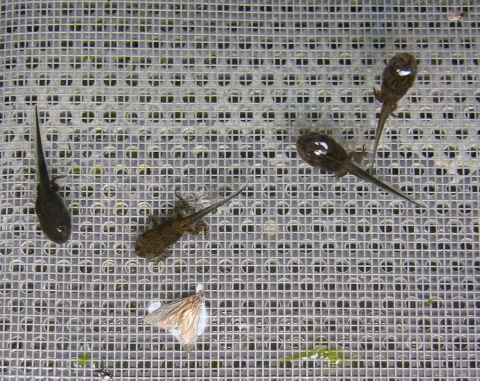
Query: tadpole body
153 244
323 152
398 76
55 219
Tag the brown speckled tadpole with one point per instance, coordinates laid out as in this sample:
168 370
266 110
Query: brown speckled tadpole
398 76
322 151
52 213
153 243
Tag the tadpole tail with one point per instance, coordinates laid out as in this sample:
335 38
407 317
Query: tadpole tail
42 170
359 172
201 213
378 133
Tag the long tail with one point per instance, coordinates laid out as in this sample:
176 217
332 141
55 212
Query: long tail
201 213
359 172
42 170
378 133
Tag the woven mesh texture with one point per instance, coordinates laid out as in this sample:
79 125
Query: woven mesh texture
137 99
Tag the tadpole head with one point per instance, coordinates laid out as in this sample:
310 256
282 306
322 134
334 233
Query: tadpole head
404 65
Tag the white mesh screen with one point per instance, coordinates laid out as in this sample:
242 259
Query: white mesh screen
138 98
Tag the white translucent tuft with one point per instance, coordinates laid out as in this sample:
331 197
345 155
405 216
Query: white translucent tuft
154 306
203 319
175 334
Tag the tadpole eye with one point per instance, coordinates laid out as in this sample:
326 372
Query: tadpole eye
60 229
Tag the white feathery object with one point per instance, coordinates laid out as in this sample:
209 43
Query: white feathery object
185 318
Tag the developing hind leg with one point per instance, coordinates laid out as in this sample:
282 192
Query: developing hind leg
358 156
378 95
182 207
199 226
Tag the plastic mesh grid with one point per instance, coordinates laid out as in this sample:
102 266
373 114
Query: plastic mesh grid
137 98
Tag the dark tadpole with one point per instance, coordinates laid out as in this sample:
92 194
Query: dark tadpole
153 244
52 213
323 152
399 75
